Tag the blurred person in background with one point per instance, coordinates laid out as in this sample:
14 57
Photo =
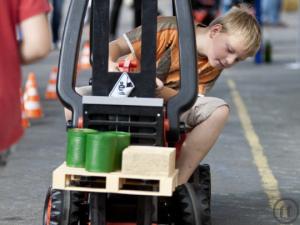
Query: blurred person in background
56 22
227 4
271 10
205 11
115 14
34 42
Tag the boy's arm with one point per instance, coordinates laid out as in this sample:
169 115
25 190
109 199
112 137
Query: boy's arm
165 92
36 38
117 48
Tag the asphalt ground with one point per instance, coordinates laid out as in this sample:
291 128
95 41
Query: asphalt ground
254 163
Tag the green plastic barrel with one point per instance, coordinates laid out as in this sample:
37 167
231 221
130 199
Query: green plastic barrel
76 143
268 52
123 141
101 152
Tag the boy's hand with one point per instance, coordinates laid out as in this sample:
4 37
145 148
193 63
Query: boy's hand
113 67
165 92
159 84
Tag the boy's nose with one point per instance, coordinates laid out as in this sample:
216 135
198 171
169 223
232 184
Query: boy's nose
230 60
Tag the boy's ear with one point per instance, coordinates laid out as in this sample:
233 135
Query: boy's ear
215 29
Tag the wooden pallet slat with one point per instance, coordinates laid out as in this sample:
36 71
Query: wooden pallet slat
78 179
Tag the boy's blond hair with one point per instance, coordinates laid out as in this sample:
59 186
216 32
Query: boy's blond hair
239 20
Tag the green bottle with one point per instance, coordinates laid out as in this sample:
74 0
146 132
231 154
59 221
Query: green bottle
268 52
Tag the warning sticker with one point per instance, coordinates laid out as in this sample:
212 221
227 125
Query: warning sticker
123 86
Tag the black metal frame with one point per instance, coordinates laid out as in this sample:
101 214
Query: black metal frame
145 84
103 81
69 57
188 69
144 123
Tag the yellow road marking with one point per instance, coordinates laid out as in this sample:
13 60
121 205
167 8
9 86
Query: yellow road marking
268 180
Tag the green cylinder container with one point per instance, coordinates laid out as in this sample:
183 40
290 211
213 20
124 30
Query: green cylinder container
123 141
76 142
268 52
101 152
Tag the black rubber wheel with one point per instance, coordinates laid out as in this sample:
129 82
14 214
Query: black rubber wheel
201 181
186 210
204 204
202 177
47 208
64 208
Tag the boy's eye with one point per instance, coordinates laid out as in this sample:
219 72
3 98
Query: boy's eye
230 50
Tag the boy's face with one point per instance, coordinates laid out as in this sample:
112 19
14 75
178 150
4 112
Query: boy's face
224 49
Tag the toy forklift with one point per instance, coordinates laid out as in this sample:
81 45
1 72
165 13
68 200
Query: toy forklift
85 198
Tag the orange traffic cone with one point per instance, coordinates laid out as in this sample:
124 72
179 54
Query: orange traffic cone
25 121
84 61
50 93
32 99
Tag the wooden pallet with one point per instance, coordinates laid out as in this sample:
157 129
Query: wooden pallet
78 179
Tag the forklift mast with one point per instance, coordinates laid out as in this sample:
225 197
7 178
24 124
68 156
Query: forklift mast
141 113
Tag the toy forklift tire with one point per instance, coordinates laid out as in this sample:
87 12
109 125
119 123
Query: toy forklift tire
63 207
204 203
187 210
201 182
202 177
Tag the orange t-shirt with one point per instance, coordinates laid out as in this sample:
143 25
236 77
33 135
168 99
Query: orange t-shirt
167 55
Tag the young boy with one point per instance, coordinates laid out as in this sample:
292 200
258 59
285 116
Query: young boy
227 40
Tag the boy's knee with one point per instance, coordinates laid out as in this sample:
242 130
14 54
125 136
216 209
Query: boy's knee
212 107
222 112
68 114
204 108
84 90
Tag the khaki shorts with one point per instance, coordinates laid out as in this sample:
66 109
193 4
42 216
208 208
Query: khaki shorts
200 111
